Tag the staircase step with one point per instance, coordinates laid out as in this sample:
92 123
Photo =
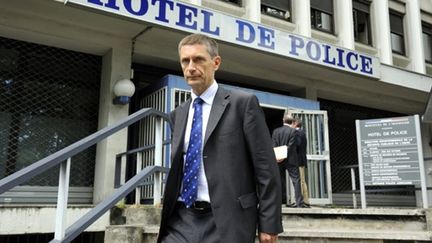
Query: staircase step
374 225
130 234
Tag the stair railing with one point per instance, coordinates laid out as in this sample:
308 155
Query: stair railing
63 157
120 170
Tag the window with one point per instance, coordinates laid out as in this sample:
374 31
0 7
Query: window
427 42
397 33
277 8
322 15
362 29
236 2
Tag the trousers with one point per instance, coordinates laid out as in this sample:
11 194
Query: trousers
189 225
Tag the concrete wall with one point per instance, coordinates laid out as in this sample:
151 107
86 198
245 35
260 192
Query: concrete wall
28 219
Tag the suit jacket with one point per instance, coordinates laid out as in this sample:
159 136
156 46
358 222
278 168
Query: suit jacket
301 148
239 163
286 135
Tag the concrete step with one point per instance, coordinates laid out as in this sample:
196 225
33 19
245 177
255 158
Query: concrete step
304 225
148 234
386 220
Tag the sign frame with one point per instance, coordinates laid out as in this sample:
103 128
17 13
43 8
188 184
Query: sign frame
420 159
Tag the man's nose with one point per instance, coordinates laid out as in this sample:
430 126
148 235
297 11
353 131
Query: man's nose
191 65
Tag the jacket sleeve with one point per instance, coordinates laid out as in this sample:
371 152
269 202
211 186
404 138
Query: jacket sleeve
292 144
266 170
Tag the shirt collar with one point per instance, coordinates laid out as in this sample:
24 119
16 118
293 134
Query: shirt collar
208 95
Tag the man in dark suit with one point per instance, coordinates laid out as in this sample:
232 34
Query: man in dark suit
238 186
286 135
302 159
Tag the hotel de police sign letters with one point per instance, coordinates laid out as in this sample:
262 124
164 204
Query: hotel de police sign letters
190 18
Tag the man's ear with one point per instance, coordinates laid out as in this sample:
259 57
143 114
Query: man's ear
217 60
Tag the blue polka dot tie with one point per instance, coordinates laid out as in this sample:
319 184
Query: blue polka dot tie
193 157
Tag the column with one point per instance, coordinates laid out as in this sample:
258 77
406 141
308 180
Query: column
309 92
413 32
253 10
302 16
381 21
115 66
344 21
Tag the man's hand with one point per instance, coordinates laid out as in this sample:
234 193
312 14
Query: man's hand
267 238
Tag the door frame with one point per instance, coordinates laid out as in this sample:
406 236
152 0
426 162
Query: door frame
324 154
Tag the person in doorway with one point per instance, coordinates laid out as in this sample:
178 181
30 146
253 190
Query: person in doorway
286 135
223 183
302 159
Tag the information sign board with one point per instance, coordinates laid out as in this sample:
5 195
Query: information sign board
389 151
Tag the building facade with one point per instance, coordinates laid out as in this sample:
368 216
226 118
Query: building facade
59 62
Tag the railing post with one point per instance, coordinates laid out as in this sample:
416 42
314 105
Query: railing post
157 191
62 200
121 164
139 167
353 186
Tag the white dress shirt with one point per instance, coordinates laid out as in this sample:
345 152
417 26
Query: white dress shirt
208 97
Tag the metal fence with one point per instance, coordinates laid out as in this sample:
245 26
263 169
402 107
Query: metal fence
48 99
343 146
156 100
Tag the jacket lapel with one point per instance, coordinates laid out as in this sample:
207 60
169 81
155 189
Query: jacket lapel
180 127
219 104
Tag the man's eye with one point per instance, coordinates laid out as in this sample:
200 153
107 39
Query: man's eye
199 60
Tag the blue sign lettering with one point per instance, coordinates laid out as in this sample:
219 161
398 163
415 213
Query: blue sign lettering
143 8
365 64
110 4
266 37
206 28
327 55
163 10
296 42
317 55
185 14
348 60
340 57
242 32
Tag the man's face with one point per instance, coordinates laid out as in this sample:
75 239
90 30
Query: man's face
198 67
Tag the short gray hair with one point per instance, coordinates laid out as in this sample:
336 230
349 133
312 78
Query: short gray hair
200 39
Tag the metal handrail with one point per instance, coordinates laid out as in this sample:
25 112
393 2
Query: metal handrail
80 225
63 157
141 149
54 159
118 161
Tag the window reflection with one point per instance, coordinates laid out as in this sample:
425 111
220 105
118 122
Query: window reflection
322 15
397 33
397 43
277 8
362 30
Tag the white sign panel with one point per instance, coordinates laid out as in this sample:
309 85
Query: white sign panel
390 153
190 18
